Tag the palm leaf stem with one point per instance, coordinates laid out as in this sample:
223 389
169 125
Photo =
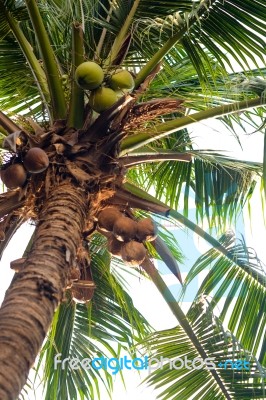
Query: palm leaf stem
185 24
181 318
58 106
34 64
210 239
142 195
9 202
167 257
124 198
9 232
103 35
161 130
118 43
168 212
132 160
76 106
264 165
7 124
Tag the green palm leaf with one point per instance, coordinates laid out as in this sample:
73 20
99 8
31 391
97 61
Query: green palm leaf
220 185
242 281
188 38
220 28
220 346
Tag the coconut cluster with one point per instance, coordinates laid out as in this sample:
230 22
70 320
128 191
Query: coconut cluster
126 236
15 175
105 90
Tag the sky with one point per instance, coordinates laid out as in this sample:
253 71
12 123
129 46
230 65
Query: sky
145 295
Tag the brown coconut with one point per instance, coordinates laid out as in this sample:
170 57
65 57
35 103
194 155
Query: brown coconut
114 246
146 230
133 252
36 160
107 218
14 176
125 229
82 291
82 296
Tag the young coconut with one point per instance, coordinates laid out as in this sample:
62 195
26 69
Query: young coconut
14 176
89 75
122 80
114 246
133 252
107 218
36 160
125 229
103 98
146 230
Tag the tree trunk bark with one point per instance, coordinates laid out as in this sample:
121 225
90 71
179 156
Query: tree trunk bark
36 291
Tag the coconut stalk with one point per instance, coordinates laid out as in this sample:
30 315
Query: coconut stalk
162 130
58 106
150 269
135 198
168 212
34 64
163 155
264 165
118 43
76 106
10 201
7 124
37 290
103 34
167 257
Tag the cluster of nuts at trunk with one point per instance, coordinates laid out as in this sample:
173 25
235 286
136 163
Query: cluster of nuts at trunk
15 175
126 236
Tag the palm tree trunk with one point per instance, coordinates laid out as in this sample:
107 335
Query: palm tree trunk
36 291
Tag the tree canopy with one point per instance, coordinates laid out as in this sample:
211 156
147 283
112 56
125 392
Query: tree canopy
189 61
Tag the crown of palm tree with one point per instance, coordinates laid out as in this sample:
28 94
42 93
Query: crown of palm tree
182 58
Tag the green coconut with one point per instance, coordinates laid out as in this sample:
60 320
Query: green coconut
122 80
89 75
101 99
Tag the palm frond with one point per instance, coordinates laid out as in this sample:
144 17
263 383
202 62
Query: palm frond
219 30
219 184
174 380
241 282
18 92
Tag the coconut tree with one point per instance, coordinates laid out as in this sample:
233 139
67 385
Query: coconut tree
95 99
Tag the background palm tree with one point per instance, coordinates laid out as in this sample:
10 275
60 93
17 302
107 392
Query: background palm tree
180 56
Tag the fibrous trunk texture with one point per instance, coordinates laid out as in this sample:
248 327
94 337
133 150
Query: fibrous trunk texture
36 291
